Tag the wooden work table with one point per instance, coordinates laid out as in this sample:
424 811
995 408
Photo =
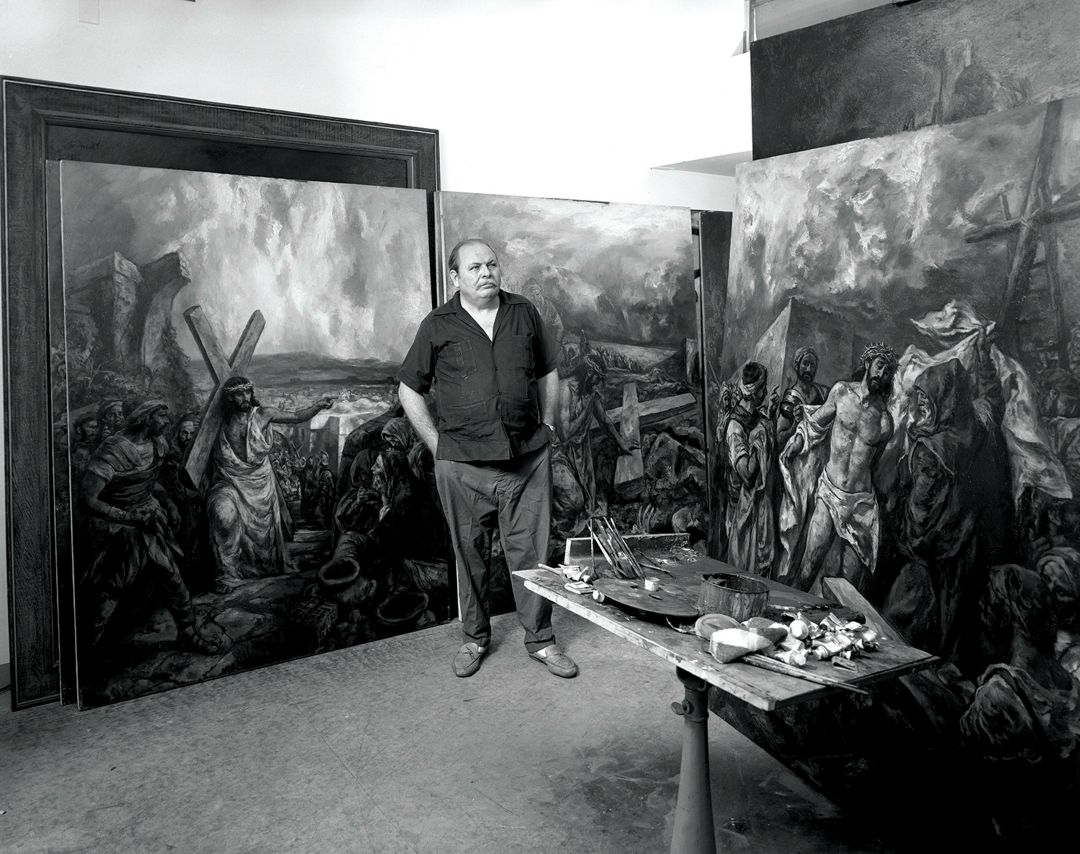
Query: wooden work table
698 670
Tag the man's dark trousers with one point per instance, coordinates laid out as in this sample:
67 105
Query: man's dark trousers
511 499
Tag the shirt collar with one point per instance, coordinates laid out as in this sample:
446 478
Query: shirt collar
454 306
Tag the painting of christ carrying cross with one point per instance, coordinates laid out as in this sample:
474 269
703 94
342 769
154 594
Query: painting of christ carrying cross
252 327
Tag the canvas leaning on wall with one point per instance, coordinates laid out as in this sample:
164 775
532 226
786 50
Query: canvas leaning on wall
911 307
242 485
615 283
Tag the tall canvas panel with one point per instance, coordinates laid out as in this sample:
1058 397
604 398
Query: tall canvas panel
615 283
914 302
714 252
242 485
905 66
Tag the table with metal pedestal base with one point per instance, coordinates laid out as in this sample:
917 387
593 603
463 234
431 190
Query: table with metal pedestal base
694 831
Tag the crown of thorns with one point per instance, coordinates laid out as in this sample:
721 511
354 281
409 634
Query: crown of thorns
879 351
237 384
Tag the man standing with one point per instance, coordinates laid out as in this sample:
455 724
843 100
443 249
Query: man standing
855 418
803 392
128 523
248 517
492 365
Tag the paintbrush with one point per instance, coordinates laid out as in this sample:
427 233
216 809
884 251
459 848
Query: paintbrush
624 546
596 539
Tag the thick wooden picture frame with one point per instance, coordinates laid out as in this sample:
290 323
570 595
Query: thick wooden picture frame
45 121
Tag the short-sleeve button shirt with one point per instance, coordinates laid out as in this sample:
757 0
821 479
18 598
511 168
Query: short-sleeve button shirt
487 400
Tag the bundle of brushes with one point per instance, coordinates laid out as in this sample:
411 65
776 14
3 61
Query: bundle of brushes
614 549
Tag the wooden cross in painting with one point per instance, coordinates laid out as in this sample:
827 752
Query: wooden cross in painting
1035 224
221 369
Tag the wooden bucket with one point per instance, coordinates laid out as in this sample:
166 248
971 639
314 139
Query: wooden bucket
735 595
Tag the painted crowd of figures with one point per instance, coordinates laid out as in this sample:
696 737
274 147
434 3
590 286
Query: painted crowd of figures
940 485
145 535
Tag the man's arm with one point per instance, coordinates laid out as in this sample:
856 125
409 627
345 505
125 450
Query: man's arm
416 410
821 418
283 416
90 493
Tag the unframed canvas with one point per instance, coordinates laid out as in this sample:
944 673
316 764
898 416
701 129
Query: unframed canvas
900 67
615 282
177 576
946 494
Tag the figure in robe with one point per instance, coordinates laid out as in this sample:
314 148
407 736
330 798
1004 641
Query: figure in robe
249 521
948 521
749 450
127 527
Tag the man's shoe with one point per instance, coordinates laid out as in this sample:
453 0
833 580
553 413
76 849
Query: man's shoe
467 661
557 661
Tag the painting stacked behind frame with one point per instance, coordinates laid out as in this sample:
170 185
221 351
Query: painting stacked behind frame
165 591
951 254
615 284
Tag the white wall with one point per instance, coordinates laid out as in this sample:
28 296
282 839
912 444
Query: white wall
563 98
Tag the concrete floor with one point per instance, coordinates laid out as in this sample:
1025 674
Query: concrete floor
380 748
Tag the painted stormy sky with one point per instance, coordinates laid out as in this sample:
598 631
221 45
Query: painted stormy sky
631 254
336 269
875 229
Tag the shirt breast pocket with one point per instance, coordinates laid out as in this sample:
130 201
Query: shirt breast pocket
456 362
516 355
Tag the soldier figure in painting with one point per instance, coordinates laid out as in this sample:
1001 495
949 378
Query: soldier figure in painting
856 421
248 517
129 523
748 457
803 392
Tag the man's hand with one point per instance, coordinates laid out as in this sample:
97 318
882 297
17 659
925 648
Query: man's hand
142 517
774 403
791 449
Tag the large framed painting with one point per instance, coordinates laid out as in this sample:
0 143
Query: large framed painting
45 122
903 66
615 283
229 511
902 354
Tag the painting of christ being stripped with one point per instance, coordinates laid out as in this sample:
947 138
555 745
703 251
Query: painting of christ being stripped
902 406
240 473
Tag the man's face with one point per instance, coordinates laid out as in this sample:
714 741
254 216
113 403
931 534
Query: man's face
185 434
324 459
757 397
806 369
240 399
90 431
878 374
478 275
159 422
114 415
